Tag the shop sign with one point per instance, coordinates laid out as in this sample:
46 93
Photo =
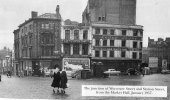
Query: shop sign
76 63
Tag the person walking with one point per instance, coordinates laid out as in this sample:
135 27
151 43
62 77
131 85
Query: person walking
56 80
63 81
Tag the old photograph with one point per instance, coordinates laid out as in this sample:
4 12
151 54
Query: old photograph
85 49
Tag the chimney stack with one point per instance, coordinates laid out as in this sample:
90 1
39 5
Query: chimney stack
34 14
57 9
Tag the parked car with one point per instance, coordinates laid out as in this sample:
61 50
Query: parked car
165 72
112 72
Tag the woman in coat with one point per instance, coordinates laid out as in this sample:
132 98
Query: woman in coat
56 80
63 81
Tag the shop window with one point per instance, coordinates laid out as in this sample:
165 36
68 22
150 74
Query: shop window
124 32
123 54
85 49
134 44
104 31
67 34
111 42
97 42
111 53
76 34
85 34
97 31
104 53
123 43
134 55
76 49
97 53
112 32
104 42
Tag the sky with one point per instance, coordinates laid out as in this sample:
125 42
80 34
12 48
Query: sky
154 15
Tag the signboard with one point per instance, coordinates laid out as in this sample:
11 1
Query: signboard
153 62
70 64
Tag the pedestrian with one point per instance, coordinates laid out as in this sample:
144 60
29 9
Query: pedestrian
143 71
56 80
64 80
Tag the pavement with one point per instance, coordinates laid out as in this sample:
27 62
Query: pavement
40 87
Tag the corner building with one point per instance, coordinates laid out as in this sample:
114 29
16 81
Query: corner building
37 43
116 39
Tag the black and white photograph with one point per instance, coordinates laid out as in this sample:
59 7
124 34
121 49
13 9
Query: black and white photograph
85 49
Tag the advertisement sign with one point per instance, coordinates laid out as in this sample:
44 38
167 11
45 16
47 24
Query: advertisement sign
153 62
70 64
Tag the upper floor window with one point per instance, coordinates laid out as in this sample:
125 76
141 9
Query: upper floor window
123 54
104 53
76 49
30 27
124 32
76 34
134 55
99 18
103 19
104 31
97 42
85 34
140 55
135 32
97 53
123 43
112 32
111 53
85 49
111 42
141 44
97 31
134 44
104 42
67 34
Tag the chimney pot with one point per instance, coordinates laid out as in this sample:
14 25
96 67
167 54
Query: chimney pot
34 14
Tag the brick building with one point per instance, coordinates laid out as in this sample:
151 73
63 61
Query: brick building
76 44
116 39
159 49
37 42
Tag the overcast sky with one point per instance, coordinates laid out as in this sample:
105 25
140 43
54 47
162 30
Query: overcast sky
154 15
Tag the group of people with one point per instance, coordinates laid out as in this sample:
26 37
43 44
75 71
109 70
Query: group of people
59 81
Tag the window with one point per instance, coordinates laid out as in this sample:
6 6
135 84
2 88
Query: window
97 53
111 53
67 34
30 52
112 32
135 32
141 32
85 49
104 53
104 42
111 42
134 44
76 49
104 31
124 32
141 44
85 34
97 31
47 51
103 18
52 25
123 53
140 55
67 49
97 42
99 19
30 27
134 55
76 34
46 26
123 43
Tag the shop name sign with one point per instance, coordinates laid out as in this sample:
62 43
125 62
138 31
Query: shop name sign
117 37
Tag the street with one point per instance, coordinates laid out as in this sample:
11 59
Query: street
40 88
